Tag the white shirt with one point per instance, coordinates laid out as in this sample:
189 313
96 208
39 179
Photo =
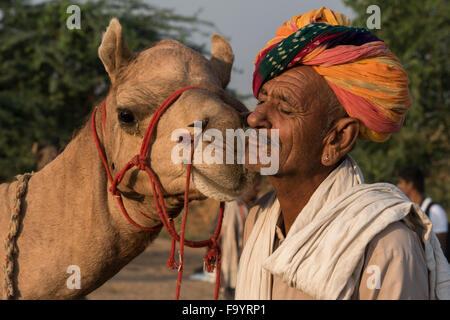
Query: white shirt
437 216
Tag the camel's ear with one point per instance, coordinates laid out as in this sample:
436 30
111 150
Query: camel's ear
222 59
113 50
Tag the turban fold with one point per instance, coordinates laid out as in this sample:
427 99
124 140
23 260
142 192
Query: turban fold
366 77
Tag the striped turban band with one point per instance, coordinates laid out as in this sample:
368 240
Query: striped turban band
367 78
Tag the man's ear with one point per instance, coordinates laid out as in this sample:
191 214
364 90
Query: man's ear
340 140
113 50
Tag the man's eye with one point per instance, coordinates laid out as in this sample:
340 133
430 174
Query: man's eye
259 102
286 111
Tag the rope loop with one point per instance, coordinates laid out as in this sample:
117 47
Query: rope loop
212 255
11 238
139 162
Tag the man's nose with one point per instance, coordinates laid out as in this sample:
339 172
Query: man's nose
244 116
258 118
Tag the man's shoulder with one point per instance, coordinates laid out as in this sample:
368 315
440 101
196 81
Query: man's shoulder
395 241
399 257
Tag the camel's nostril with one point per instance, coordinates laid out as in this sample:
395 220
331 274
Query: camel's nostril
204 123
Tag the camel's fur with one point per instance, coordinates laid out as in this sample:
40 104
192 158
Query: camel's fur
68 216
43 155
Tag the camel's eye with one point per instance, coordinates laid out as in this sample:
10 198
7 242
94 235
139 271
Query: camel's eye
126 116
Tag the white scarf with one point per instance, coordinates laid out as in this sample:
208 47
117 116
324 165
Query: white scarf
323 253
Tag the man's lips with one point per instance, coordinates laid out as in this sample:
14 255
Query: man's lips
256 141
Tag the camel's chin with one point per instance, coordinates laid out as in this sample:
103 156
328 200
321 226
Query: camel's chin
216 189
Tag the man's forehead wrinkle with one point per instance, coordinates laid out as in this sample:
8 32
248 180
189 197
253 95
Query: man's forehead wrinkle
287 94
297 78
302 87
287 90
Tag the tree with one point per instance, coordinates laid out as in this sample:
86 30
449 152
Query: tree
51 76
418 33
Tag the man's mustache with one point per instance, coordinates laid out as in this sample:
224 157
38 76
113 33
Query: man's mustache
246 126
261 138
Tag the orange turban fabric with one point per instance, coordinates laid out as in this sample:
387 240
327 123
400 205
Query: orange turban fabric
365 75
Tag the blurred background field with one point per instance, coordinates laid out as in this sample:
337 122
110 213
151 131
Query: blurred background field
147 278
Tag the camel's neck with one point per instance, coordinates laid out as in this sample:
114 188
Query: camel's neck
78 180
71 219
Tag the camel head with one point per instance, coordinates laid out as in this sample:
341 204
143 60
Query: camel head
140 82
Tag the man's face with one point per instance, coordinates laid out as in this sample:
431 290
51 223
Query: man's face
292 103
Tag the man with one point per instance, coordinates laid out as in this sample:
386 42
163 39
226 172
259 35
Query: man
322 233
412 183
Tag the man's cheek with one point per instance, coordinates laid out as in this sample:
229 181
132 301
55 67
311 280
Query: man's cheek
263 152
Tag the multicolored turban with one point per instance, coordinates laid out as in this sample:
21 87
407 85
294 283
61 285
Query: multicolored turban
367 78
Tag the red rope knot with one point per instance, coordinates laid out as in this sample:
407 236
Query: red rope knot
113 190
212 257
171 263
139 162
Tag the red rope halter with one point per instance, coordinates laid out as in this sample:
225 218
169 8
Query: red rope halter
140 161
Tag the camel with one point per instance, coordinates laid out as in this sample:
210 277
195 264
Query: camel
68 217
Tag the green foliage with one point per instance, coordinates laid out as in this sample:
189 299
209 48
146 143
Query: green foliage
51 77
418 33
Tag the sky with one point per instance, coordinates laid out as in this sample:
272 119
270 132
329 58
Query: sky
248 25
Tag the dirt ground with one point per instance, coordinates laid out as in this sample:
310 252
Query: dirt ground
147 277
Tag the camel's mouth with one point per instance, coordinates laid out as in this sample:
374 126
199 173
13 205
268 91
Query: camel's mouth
212 189
193 196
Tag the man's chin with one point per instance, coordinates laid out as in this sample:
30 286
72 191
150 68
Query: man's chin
259 169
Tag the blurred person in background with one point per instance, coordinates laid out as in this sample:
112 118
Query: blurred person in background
230 240
412 183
